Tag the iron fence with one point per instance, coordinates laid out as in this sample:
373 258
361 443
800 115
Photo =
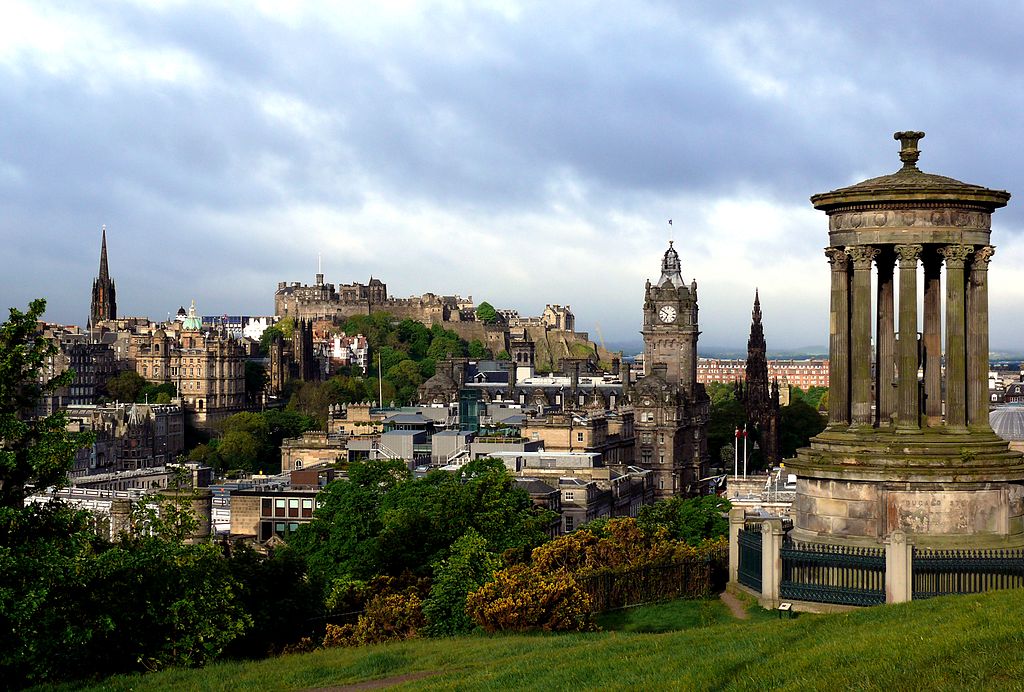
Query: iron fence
695 577
942 572
844 575
749 571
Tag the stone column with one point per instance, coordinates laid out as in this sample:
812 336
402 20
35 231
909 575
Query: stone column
899 561
956 346
771 561
977 339
839 339
885 347
907 413
932 338
863 257
737 515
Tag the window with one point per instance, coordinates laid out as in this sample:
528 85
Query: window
307 508
579 437
298 463
279 507
661 484
568 524
568 494
293 508
661 458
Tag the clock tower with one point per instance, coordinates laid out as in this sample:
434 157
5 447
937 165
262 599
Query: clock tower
670 323
671 409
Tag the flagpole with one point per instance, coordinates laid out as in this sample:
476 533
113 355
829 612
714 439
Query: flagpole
744 451
736 455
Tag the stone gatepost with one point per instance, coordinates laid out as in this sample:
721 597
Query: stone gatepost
737 516
899 556
771 561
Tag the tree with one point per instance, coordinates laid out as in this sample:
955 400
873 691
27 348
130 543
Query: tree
256 380
726 416
33 451
486 313
798 423
693 520
126 386
470 566
477 349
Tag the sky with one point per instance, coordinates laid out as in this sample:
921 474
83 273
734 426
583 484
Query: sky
519 153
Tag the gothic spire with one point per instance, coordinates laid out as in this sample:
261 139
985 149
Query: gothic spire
104 274
104 295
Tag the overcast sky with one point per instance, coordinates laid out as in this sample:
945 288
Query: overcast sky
521 153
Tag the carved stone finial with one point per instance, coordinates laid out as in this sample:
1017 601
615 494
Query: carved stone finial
909 152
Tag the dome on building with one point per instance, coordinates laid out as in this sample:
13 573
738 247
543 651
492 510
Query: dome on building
910 184
1008 422
192 323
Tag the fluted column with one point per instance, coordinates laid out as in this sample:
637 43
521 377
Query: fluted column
977 339
839 339
956 343
931 338
863 257
885 346
907 413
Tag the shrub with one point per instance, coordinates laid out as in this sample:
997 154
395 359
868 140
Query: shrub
522 598
388 617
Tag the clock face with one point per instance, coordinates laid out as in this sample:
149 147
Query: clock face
667 314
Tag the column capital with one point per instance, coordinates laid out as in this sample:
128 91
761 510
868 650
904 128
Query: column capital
837 258
908 255
862 255
955 255
982 256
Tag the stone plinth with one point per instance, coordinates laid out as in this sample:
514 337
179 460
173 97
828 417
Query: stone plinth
942 489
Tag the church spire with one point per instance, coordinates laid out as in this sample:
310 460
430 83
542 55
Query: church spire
104 298
104 272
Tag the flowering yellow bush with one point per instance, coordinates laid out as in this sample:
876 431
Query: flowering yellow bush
524 598
388 617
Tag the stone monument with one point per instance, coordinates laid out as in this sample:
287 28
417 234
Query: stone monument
908 445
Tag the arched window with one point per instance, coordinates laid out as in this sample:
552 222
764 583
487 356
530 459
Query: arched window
298 463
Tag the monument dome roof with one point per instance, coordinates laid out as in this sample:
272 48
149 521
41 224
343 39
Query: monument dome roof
1008 422
910 184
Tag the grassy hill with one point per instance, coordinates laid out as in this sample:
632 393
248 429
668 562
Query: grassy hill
954 643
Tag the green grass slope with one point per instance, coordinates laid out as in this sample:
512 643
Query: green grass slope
952 643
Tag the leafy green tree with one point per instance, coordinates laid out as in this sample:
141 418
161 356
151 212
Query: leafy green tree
693 520
256 380
486 313
476 349
470 566
126 386
726 416
33 451
157 393
720 392
503 355
798 423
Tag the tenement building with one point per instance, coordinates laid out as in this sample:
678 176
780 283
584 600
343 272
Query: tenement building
208 368
897 454
671 409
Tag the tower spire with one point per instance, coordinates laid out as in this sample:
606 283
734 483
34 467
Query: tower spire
104 296
104 274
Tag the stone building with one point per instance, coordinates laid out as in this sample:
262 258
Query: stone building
671 409
127 437
897 455
208 368
91 359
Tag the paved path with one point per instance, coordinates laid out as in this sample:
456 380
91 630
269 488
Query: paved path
736 607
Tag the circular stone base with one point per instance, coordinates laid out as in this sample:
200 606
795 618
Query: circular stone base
944 489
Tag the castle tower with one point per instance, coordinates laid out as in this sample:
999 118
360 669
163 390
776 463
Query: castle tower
104 299
895 455
759 400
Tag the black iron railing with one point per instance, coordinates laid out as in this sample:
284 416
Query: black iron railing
843 575
694 577
941 572
749 571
